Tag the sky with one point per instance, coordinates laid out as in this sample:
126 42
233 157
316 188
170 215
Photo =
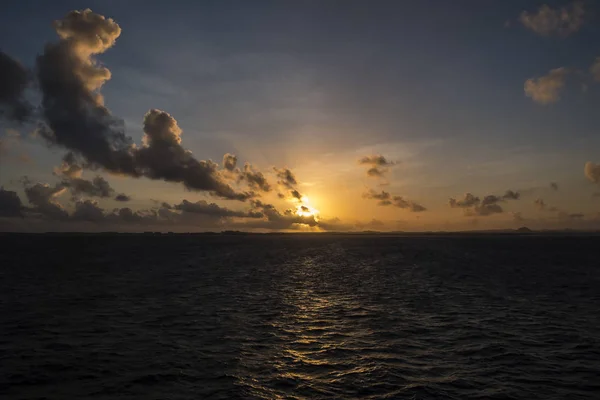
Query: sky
299 116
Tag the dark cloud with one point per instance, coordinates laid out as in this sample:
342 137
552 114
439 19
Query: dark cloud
474 206
97 187
554 186
376 160
400 202
122 197
255 179
213 210
379 165
511 195
296 194
162 157
229 162
278 220
468 201
14 80
70 79
286 178
43 199
386 199
484 210
69 167
10 204
382 196
88 210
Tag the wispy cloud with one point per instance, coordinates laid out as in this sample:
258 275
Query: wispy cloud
546 89
549 21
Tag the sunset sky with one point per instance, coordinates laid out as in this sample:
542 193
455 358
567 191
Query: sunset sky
380 115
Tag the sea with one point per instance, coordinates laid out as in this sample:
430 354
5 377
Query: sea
290 316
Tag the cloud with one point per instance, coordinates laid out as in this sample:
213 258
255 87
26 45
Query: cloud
547 21
554 186
541 205
286 178
229 162
383 197
10 204
474 206
97 187
14 80
484 210
214 210
592 172
296 194
255 179
468 201
70 79
518 216
400 202
69 167
546 89
386 199
88 210
278 220
379 165
511 195
162 157
43 198
122 197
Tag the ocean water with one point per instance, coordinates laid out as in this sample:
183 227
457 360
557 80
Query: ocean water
225 317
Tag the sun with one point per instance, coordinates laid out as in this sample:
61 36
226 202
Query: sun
304 209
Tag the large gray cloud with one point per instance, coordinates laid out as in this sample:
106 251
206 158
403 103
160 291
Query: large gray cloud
10 204
43 199
14 80
88 210
163 157
560 21
76 118
97 187
214 210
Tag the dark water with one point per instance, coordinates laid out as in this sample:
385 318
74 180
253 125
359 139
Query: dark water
185 317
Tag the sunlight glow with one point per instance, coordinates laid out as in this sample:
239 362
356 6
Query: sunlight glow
304 209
